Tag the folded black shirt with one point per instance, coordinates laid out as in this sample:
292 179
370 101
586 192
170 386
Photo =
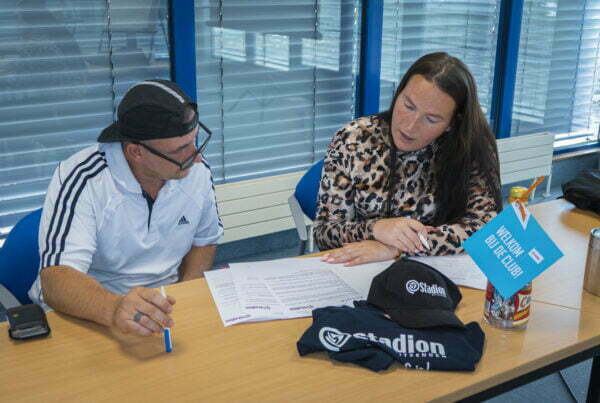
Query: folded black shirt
364 336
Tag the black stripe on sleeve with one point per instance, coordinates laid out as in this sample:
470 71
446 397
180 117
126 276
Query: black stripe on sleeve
65 233
61 202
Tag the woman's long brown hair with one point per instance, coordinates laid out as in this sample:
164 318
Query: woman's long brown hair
469 144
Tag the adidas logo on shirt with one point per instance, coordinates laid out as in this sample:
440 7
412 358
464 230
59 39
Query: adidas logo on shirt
183 221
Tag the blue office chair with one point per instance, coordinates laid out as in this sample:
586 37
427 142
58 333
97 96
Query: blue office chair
303 204
19 261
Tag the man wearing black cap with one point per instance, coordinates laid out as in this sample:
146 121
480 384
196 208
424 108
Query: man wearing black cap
130 214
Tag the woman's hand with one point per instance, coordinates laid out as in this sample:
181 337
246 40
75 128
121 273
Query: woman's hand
352 254
402 233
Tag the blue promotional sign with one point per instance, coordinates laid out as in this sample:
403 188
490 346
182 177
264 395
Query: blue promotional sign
512 251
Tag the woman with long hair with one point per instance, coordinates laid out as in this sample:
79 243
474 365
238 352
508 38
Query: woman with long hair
419 178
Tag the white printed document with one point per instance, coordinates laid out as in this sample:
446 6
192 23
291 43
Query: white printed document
290 287
222 289
254 296
301 290
286 288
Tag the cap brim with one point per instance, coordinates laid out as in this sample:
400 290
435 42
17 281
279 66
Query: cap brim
110 134
421 318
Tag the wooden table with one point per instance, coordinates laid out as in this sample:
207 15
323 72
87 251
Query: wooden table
258 362
569 228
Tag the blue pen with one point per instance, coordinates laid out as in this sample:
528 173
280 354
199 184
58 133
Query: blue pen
167 330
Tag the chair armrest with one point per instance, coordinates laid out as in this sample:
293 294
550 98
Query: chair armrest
298 217
7 299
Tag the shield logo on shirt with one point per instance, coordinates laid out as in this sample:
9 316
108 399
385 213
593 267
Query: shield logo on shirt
332 339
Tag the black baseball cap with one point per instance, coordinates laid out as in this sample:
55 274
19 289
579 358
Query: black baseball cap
415 295
152 109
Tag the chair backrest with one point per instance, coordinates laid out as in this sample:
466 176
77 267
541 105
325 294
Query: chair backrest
525 157
307 190
19 257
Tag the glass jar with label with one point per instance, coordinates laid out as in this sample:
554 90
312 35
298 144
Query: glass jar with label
512 312
507 313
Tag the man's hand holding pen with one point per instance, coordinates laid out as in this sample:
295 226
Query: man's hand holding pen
143 311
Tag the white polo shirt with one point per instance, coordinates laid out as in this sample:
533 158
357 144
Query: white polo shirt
96 220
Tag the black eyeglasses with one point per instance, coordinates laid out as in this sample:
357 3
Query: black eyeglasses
188 162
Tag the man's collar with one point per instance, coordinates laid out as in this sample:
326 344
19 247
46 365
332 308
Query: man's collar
119 167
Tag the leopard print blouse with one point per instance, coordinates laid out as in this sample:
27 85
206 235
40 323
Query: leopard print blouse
353 194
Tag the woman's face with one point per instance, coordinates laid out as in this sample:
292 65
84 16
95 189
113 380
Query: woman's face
422 113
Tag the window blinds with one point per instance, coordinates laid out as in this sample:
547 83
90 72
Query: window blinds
275 80
557 86
64 65
464 29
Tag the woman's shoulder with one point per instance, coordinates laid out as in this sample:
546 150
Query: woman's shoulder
367 129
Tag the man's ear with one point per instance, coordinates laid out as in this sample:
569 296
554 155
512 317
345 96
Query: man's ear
132 150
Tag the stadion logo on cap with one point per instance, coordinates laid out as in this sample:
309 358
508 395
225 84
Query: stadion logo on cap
413 286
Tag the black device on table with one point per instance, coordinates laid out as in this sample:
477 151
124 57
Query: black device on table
26 322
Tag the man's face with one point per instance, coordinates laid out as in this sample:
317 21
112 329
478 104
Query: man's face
177 148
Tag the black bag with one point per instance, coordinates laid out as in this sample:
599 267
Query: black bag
584 190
